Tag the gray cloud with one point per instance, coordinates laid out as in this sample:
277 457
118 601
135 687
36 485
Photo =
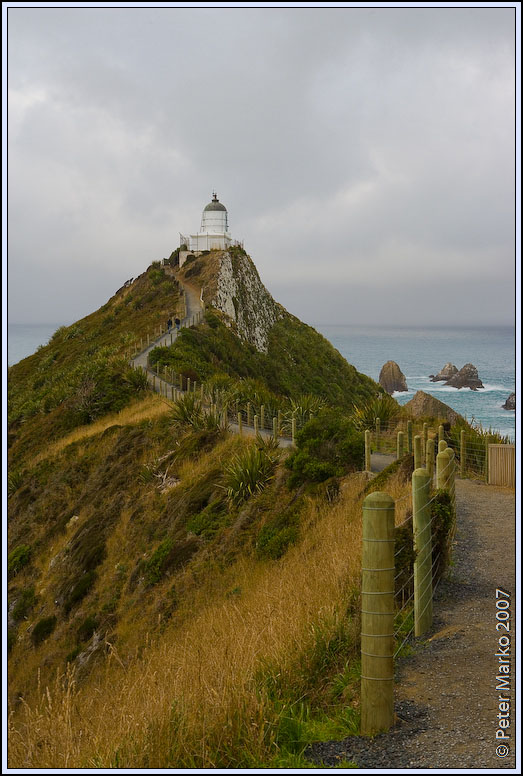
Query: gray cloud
360 151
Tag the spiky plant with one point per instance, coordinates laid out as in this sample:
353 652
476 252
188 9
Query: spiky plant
248 473
382 406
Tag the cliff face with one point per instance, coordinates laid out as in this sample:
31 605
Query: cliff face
241 295
229 282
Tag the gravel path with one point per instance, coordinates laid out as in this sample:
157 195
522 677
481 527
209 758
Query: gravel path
446 696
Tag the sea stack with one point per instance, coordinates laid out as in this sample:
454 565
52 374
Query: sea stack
448 371
510 404
392 378
467 377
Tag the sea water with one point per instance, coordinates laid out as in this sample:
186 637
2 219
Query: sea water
418 352
423 352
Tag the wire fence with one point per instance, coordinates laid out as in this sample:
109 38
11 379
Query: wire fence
402 565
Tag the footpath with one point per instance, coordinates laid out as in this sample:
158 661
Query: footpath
447 701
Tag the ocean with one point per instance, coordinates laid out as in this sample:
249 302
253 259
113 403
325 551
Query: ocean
418 352
424 351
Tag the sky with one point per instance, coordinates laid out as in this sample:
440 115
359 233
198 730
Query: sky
366 156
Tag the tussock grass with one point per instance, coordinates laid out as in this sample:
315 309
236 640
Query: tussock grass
196 698
152 406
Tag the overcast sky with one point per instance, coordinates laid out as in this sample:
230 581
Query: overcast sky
365 156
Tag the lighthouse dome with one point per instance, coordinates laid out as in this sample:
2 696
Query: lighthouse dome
214 217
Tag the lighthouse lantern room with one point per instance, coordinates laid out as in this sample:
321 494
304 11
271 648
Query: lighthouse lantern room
214 232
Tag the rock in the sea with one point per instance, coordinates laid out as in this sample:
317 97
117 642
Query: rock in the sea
423 405
510 404
467 377
448 371
392 378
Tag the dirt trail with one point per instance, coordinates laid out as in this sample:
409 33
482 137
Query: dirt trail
446 697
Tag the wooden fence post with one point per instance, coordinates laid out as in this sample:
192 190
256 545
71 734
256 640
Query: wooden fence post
421 528
378 429
486 458
399 445
262 416
188 385
172 392
441 433
462 454
409 436
431 447
293 429
154 382
377 614
248 413
425 436
256 430
417 451
443 470
367 451
442 445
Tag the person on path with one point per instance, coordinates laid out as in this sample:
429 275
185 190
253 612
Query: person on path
169 325
177 322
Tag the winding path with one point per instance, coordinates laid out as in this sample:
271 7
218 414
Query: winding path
447 699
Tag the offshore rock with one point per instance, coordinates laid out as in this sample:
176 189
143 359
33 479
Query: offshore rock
510 404
467 377
448 371
392 378
423 405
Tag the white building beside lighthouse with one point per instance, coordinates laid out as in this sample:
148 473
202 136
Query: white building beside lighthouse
214 232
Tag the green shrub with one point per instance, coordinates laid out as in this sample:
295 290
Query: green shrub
209 521
169 556
154 567
80 590
73 654
17 559
442 517
43 629
277 535
87 628
11 639
327 446
24 604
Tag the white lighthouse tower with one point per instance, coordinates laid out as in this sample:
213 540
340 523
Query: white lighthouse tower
214 232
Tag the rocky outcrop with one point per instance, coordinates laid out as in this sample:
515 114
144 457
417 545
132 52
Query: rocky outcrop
240 294
392 378
510 404
448 371
467 377
423 405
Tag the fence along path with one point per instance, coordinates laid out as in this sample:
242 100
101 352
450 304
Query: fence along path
242 422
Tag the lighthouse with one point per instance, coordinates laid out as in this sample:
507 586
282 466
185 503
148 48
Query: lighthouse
214 232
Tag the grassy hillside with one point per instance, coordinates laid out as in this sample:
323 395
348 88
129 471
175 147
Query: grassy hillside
298 361
197 588
83 372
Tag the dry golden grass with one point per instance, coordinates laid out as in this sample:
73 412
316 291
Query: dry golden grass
148 408
190 699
